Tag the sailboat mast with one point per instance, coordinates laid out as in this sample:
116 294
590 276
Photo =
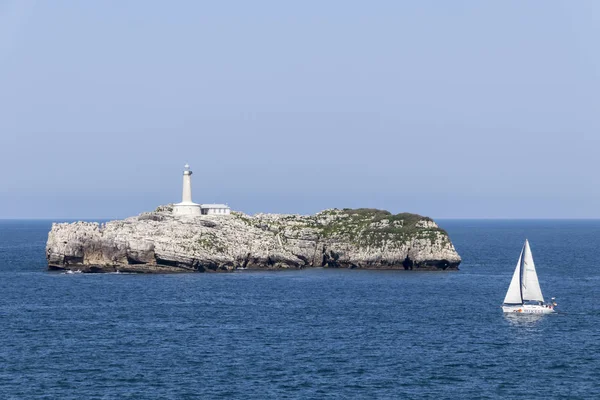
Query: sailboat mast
521 258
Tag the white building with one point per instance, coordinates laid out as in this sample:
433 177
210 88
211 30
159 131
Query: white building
220 209
188 207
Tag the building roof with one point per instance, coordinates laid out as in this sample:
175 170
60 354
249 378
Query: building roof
214 206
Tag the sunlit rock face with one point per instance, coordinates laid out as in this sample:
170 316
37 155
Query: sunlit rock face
162 242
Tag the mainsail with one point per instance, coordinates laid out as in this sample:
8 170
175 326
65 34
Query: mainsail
524 284
529 280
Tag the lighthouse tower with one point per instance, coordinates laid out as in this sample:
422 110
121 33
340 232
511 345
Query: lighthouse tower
187 206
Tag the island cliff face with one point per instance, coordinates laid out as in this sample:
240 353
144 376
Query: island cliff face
161 242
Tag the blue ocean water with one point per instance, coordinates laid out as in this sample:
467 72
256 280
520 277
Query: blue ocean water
317 333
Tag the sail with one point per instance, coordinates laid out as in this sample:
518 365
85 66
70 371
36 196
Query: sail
529 280
513 296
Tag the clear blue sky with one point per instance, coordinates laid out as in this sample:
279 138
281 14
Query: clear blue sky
443 108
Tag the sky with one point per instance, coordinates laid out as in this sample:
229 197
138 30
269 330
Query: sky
461 109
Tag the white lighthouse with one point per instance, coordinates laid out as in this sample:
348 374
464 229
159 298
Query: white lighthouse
187 206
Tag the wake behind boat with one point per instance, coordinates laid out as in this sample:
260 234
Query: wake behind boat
524 293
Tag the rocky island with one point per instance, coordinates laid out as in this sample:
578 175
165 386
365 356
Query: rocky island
162 241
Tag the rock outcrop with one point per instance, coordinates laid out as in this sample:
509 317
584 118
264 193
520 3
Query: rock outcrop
161 242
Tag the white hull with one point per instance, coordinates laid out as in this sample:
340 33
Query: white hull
528 309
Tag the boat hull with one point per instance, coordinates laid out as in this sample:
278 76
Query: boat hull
528 309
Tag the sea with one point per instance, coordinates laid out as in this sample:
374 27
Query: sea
307 334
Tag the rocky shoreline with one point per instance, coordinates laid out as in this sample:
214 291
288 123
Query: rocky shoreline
159 242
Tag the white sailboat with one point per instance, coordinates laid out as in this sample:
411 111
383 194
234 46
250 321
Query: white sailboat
524 293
